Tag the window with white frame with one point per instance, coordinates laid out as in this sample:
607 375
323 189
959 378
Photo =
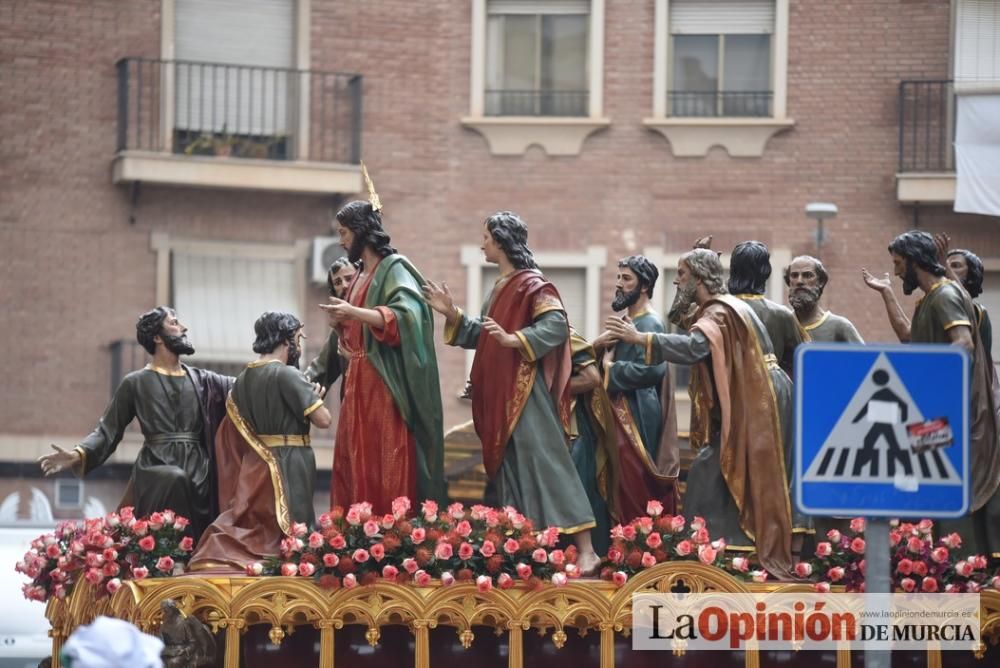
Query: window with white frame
537 58
69 493
721 58
977 42
219 289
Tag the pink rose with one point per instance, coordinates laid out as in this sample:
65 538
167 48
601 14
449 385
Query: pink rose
654 540
463 528
540 556
803 569
156 521
964 569
615 556
833 536
698 523
306 569
330 560
488 549
617 533
378 551
925 526
929 585
683 548
186 544
835 574
904 567
371 528
858 546
400 506
253 569
648 560
952 540
169 516
140 528
299 529
353 517
822 587
443 551
628 531
939 554
140 572
559 579
978 561
325 521
505 581
360 556
289 569
52 551
706 554
147 543
465 552
181 523
350 581
113 585
908 584
914 545
430 510
700 536
447 579
110 569
389 572
523 571
557 557
338 542
422 578
484 583
619 578
758 575
93 576
677 523
456 510
824 549
418 535
388 521
127 513
920 568
316 540
511 546
858 524
410 565
654 508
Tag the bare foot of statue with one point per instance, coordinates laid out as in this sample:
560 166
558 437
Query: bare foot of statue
588 563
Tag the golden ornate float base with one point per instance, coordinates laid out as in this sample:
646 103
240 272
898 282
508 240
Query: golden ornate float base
586 622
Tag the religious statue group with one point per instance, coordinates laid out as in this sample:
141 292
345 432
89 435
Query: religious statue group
575 434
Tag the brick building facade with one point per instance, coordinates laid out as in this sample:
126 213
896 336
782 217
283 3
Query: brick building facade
98 225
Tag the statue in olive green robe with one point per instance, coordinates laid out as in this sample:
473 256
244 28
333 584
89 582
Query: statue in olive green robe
179 409
806 278
520 386
329 364
267 469
946 314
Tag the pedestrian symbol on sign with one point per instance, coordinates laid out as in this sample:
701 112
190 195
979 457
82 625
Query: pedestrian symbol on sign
883 437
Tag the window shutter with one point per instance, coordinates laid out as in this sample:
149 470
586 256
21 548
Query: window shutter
550 7
258 33
721 17
977 41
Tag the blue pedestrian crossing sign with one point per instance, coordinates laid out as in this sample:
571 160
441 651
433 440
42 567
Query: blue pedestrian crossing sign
882 430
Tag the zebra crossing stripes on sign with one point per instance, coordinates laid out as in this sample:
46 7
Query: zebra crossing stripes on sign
881 430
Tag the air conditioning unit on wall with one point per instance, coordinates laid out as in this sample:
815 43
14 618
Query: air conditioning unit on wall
324 251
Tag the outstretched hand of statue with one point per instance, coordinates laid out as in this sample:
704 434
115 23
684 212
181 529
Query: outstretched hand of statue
943 243
623 330
438 297
879 284
60 460
500 334
703 242
338 310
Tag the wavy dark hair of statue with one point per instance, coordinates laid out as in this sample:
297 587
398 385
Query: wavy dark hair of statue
511 234
749 268
975 271
272 329
366 223
149 325
919 247
644 270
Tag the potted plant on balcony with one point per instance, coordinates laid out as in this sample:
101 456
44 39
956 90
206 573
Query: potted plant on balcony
219 144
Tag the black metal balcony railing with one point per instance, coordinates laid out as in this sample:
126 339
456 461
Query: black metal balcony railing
239 111
926 126
719 103
537 102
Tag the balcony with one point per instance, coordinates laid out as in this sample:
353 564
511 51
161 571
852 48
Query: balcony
233 126
926 173
700 104
537 102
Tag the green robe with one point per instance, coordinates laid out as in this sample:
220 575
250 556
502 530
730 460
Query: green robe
537 475
640 383
944 307
832 328
782 328
276 400
410 371
174 467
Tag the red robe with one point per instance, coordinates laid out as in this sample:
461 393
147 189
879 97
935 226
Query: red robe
375 452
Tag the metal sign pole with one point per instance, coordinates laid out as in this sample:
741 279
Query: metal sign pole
877 578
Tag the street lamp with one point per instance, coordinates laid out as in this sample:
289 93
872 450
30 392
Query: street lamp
820 211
